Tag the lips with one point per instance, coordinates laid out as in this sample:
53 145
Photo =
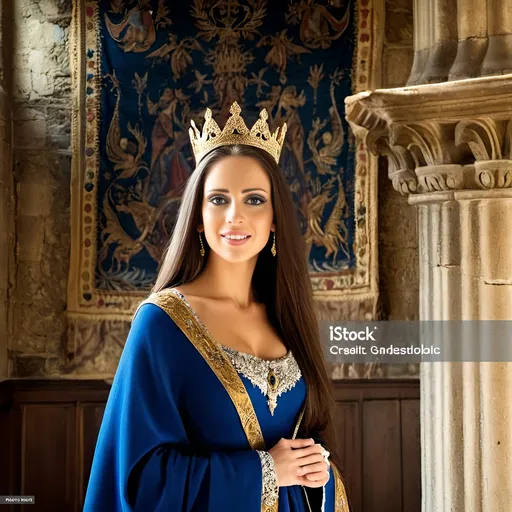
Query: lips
235 238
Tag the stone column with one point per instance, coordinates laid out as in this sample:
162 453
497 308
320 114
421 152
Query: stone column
498 59
472 34
422 11
449 148
459 39
443 24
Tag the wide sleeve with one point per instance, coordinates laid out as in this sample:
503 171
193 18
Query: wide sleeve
143 459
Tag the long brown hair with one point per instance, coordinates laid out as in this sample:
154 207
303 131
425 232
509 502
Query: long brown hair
282 283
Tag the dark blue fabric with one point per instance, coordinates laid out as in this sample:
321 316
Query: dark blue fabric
171 438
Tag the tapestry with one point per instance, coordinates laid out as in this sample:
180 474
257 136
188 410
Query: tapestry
143 69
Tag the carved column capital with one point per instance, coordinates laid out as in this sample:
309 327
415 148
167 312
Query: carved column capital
432 138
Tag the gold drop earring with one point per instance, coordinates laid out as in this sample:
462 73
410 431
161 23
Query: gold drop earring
273 248
201 251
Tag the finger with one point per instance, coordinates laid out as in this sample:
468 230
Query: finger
313 468
297 444
308 483
310 450
311 459
320 476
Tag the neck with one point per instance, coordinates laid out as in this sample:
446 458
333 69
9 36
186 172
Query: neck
226 280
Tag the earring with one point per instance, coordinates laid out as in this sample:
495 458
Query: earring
273 248
201 251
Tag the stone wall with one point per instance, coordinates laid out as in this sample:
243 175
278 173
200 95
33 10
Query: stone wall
7 263
40 83
397 224
41 87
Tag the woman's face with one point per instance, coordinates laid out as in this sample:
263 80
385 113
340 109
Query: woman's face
237 208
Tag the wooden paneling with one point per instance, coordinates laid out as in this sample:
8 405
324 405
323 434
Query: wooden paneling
5 459
52 428
56 425
48 432
348 421
92 414
382 481
379 431
411 470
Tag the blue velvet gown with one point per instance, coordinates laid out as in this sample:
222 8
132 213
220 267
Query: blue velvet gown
181 426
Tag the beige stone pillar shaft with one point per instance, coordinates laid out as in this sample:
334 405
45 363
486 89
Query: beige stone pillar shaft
441 383
472 452
442 53
487 271
498 59
472 34
422 14
466 272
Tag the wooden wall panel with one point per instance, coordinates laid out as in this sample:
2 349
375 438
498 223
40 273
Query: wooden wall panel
348 421
380 444
48 432
48 455
382 465
411 483
91 415
5 459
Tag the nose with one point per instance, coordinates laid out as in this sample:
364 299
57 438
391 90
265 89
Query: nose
234 213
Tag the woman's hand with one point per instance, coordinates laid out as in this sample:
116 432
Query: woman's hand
299 462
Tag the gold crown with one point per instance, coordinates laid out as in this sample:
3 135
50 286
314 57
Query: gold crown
236 132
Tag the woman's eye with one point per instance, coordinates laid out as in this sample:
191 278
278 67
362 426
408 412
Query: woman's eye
255 200
217 200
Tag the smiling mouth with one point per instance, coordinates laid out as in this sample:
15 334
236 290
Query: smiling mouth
235 240
236 237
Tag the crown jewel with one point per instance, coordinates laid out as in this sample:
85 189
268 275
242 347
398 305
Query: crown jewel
236 132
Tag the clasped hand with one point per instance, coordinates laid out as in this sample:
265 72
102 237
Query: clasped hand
300 462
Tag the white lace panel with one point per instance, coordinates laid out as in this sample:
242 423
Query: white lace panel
269 487
273 378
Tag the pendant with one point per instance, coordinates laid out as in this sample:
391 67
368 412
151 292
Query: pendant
272 381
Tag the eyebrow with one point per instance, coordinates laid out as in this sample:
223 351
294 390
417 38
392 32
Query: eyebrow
243 191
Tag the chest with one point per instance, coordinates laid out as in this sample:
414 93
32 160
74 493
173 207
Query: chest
246 332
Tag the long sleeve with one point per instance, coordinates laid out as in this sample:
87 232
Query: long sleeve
143 458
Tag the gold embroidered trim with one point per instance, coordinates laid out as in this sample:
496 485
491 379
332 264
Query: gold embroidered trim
340 495
216 359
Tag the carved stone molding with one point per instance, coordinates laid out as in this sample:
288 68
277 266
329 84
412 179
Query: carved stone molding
438 178
404 181
484 136
423 140
441 137
401 162
493 174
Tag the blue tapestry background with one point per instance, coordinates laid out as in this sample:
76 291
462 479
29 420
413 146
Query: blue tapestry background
163 63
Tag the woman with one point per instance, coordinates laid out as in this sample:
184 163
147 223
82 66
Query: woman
221 401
